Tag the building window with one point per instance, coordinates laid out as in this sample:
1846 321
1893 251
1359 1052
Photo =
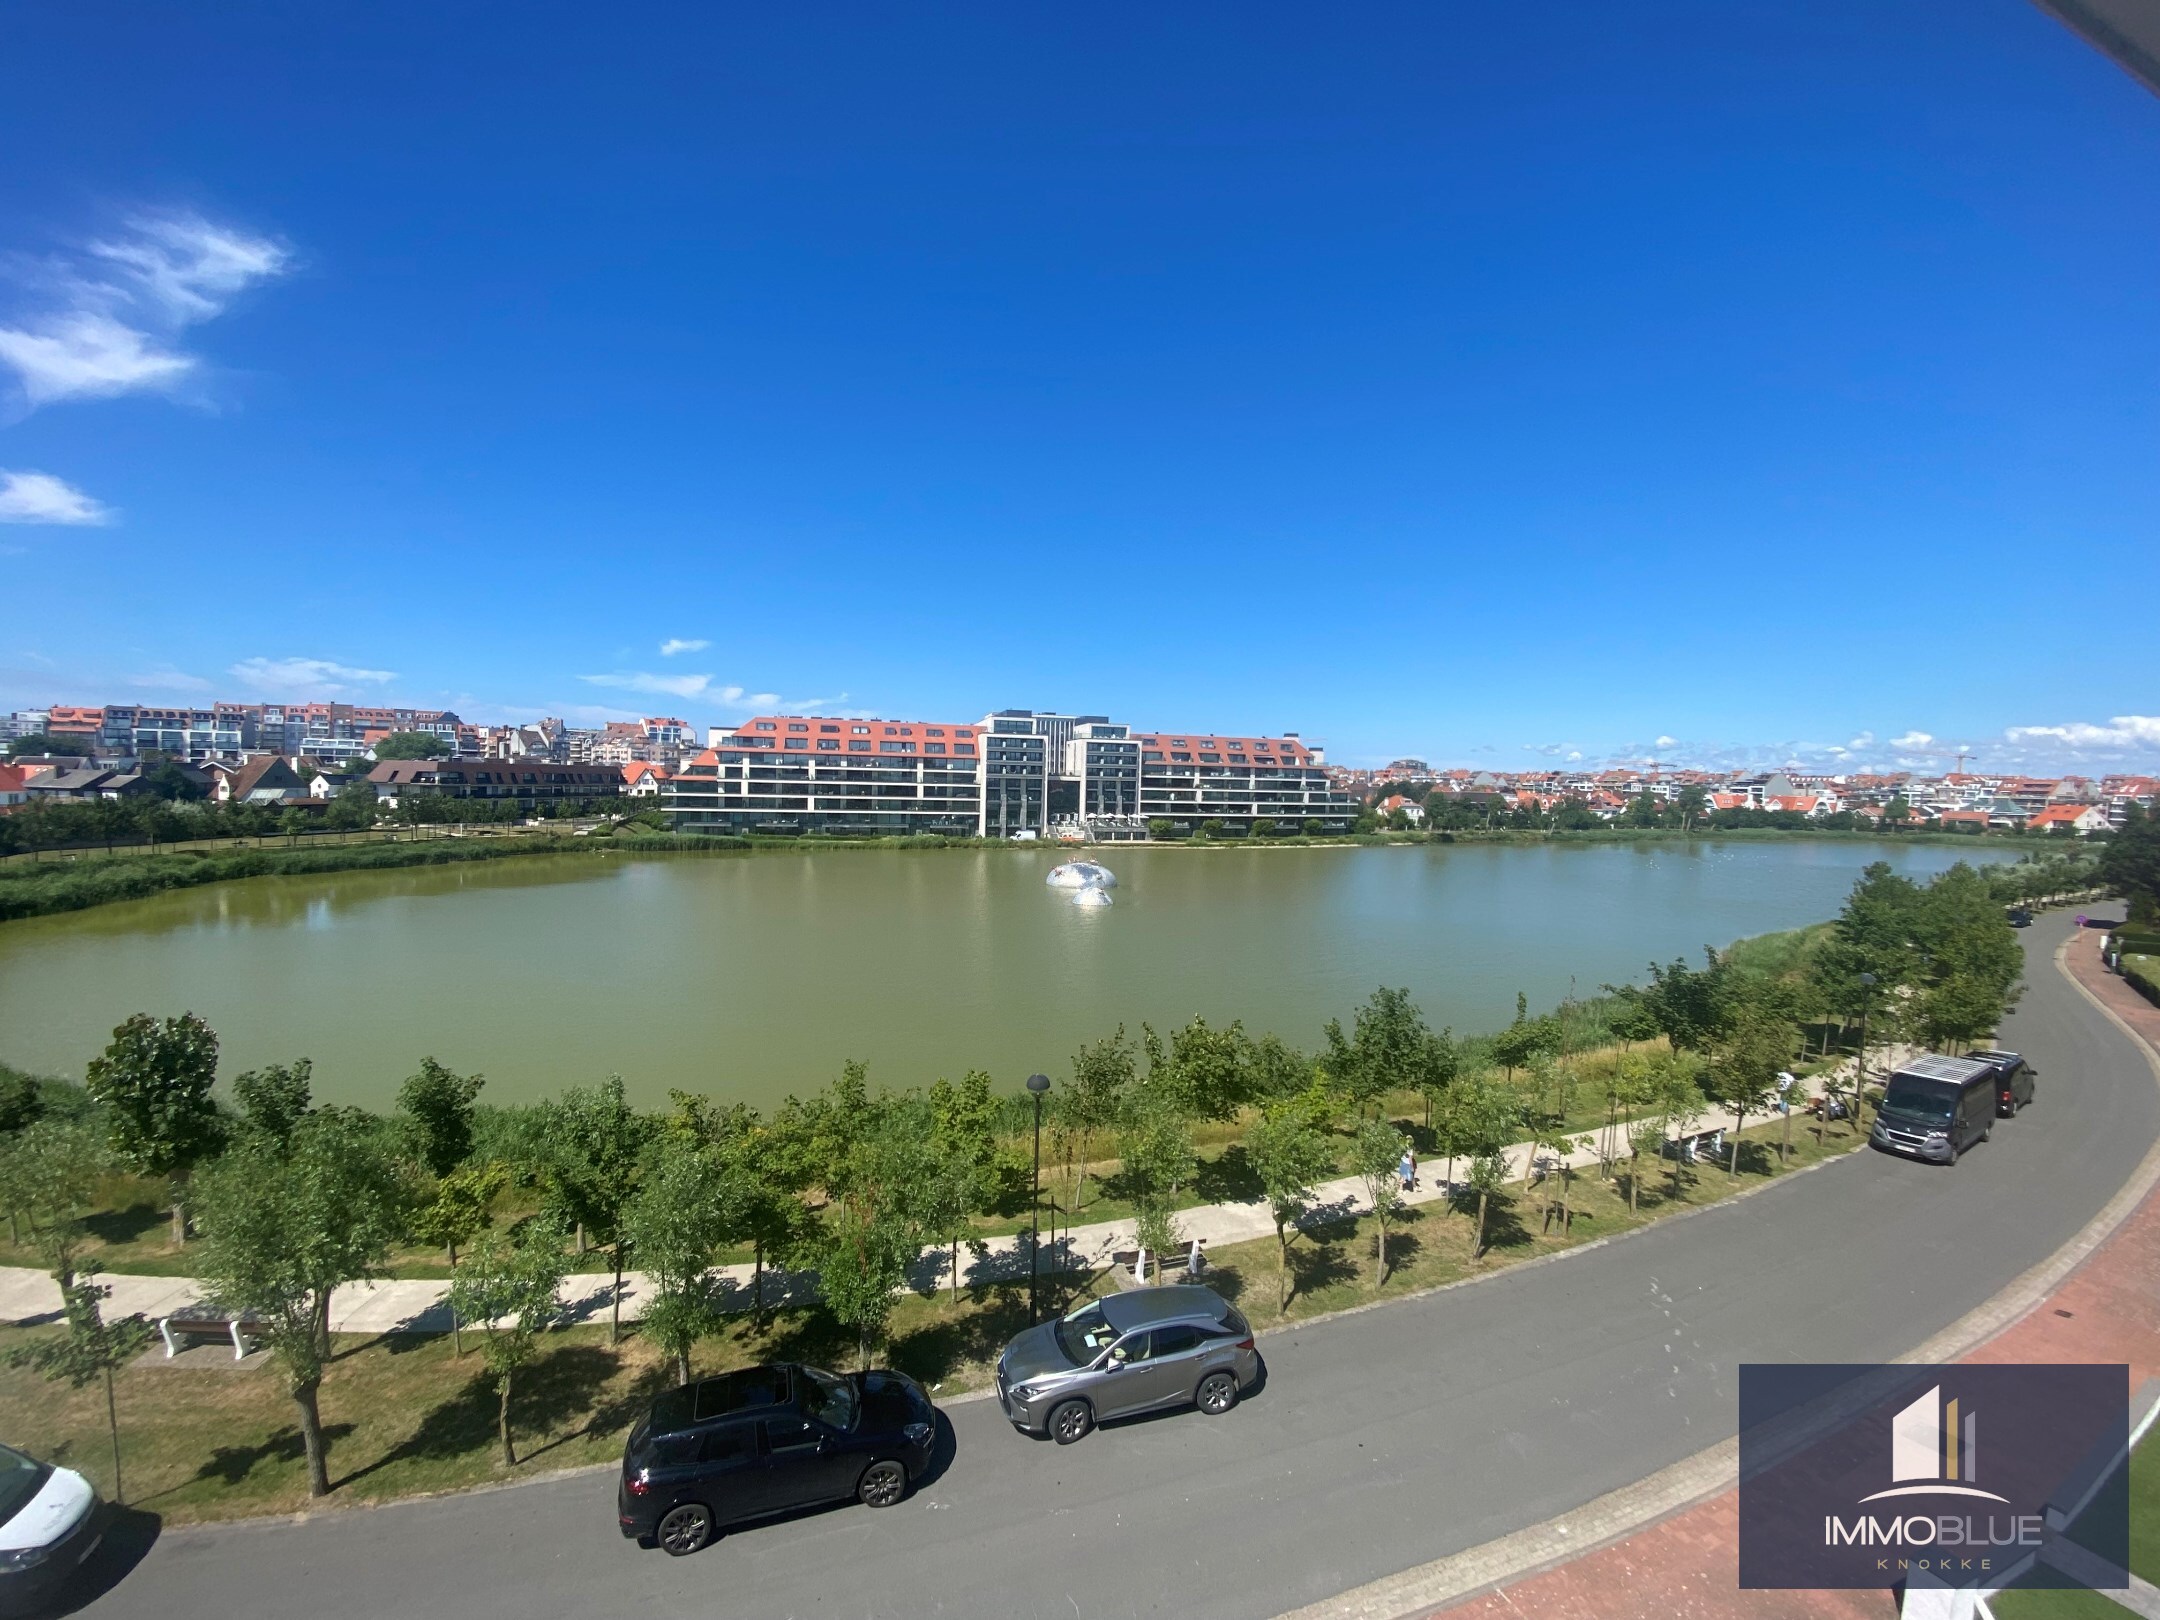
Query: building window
858 748
766 725
797 725
896 748
934 748
798 742
828 728
963 748
828 745
933 731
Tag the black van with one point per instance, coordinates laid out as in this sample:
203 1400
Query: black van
2015 1083
1934 1108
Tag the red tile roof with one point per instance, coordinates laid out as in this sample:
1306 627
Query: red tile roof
1284 750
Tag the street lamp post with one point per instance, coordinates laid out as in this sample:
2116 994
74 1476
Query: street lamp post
1867 989
1037 1084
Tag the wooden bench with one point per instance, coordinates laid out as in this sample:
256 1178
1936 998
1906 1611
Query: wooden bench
206 1322
1690 1148
1178 1259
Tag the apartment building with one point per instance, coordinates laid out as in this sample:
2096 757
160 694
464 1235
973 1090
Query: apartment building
804 773
527 781
1014 773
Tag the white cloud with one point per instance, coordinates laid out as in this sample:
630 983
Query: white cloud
675 644
1667 742
106 320
169 680
1866 739
1912 739
2123 731
35 497
306 678
681 686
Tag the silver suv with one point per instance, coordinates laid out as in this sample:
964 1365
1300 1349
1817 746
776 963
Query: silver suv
1130 1352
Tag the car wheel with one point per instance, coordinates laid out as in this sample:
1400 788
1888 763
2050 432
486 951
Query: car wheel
686 1529
1218 1392
1070 1422
883 1483
1988 1135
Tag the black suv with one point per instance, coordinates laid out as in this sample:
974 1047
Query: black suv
2014 1081
766 1440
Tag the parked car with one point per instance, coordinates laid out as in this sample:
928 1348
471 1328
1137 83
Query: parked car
2015 1082
1936 1107
1127 1353
765 1440
50 1521
2020 917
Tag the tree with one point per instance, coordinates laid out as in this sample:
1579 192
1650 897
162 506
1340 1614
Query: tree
1263 827
1635 1089
154 1082
1745 1065
44 742
508 1285
1289 1152
867 1253
53 1168
22 1104
355 807
1439 1065
685 1208
283 1230
1897 812
594 1141
1376 1152
88 1352
1203 1073
438 1108
1387 1049
963 1178
462 1207
411 745
166 780
2130 863
1680 1109
1526 1040
1156 1157
273 1100
1479 1123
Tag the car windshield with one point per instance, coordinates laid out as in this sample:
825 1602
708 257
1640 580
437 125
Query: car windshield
832 1401
1084 1334
1920 1099
20 1478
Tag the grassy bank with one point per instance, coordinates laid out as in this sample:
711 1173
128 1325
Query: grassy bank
207 1439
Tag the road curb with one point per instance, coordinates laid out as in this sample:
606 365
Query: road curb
1424 1588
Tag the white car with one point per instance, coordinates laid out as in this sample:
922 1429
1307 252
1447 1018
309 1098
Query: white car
50 1521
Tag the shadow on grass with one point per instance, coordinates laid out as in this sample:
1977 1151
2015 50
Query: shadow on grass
1318 1265
1228 1179
546 1398
130 1225
232 1464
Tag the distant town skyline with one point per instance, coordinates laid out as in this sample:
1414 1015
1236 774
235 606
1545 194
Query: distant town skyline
1742 387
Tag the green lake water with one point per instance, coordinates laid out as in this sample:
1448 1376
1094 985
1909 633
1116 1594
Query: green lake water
753 976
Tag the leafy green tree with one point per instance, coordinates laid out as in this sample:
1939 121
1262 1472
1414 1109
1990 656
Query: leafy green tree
685 1209
865 1259
1680 1103
1745 1065
1156 1158
273 1100
283 1230
1439 1065
355 807
963 1177
508 1284
595 1140
89 1352
462 1207
1479 1123
1263 827
1387 1049
1212 827
22 1104
437 1107
411 745
53 1167
154 1082
1376 1150
1288 1150
1688 1004
2130 864
1155 1232
1202 1073
44 742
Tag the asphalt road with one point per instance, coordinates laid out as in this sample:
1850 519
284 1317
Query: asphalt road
1379 1441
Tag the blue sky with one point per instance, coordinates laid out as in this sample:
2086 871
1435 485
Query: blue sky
1494 384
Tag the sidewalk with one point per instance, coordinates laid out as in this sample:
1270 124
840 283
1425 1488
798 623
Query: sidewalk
2108 1310
416 1305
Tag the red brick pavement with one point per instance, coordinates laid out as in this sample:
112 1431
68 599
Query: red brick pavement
1682 1568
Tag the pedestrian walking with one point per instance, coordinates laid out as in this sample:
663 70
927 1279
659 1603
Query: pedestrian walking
1407 1170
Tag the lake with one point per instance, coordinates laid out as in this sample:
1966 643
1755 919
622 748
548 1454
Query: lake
750 976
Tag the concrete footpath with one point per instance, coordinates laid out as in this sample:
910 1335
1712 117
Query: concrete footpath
416 1305
2106 1310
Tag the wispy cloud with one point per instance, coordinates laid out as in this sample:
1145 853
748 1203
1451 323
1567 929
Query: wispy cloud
638 680
2124 731
675 645
316 678
107 318
1913 739
168 680
1666 742
35 497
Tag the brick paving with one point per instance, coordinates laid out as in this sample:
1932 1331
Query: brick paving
2108 1310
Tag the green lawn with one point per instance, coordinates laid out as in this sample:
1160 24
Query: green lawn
2031 1604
